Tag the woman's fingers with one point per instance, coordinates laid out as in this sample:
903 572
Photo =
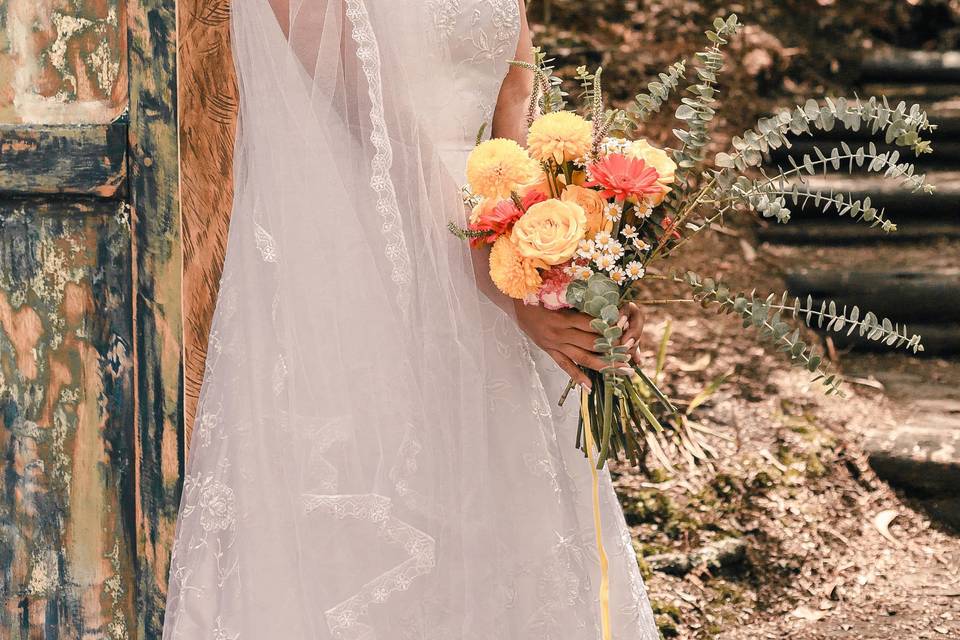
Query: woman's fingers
584 358
570 367
634 323
581 339
580 321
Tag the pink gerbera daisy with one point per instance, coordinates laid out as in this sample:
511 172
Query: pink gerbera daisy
621 177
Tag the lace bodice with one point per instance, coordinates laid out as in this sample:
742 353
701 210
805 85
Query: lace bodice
468 44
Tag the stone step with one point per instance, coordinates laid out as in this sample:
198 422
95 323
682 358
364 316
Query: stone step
898 65
899 203
807 231
922 456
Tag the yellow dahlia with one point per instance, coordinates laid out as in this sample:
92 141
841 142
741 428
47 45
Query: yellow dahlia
560 136
498 167
513 274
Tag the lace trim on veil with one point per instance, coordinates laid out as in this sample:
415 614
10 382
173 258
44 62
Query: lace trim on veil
381 182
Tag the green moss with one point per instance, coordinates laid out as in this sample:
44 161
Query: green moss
667 627
649 507
815 467
669 610
658 475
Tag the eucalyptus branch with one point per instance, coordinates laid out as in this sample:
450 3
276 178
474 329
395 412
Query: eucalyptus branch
646 104
871 327
772 328
901 126
697 111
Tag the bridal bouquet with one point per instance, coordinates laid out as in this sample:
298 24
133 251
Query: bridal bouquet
588 211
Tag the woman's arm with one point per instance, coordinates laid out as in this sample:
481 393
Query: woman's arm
510 117
566 336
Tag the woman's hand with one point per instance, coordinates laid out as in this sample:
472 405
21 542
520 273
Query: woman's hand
567 337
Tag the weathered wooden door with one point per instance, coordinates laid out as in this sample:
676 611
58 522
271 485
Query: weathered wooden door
90 328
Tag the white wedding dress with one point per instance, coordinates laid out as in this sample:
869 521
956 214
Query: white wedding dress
378 452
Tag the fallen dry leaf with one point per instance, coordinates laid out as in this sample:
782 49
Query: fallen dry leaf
806 613
882 522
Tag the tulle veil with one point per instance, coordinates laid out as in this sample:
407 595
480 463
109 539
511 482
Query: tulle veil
377 452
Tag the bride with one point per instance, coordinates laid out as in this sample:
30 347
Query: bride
378 452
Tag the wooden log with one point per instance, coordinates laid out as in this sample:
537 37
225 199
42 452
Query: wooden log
66 548
899 203
805 230
714 556
68 159
151 33
208 109
938 340
912 92
905 296
946 150
913 66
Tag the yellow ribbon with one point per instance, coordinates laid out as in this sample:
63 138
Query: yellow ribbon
604 564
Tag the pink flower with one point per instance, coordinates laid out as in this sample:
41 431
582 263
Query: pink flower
621 177
533 197
553 292
499 220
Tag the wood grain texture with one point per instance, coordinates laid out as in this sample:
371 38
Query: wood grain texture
208 108
157 267
66 389
62 61
72 159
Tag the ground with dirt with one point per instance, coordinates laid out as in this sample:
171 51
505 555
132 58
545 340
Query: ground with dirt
831 551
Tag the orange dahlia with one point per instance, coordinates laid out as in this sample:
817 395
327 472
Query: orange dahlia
513 274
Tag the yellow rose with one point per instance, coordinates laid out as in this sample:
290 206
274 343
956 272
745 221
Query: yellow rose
659 160
593 206
513 274
550 231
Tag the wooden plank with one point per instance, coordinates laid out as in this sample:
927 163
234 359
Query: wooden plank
62 62
157 283
68 159
208 110
66 548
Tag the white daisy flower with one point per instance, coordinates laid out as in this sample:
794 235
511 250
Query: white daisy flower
640 245
605 262
614 145
644 209
602 240
618 275
613 212
587 249
581 272
635 270
629 231
615 249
